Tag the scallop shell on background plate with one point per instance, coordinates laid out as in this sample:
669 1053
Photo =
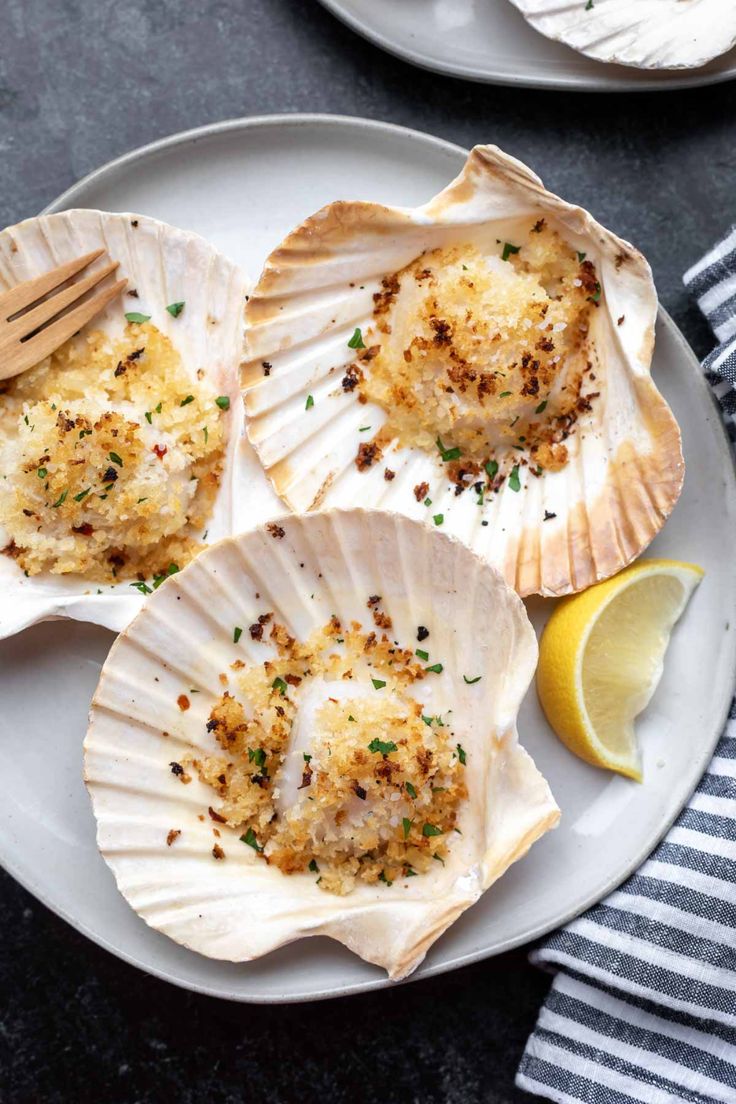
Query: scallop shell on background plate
559 532
646 34
163 265
305 570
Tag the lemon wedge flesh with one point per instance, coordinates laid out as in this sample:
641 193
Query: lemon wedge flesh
601 658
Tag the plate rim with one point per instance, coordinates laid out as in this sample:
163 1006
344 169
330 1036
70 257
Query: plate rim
191 136
679 81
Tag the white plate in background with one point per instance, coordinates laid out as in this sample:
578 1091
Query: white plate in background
243 185
489 40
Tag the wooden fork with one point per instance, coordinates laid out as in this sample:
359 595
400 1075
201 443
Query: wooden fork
32 325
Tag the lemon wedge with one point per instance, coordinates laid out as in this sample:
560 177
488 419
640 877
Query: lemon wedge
601 657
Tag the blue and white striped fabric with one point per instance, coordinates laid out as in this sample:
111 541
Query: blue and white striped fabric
643 1004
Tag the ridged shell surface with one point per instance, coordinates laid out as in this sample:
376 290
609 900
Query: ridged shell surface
163 265
182 640
645 34
566 529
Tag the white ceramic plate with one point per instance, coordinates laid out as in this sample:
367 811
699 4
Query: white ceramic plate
243 185
488 40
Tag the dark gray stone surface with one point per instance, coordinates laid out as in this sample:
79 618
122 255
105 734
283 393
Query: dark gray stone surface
82 81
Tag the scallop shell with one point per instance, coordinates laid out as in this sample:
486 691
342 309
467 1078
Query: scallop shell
164 265
646 34
325 563
568 529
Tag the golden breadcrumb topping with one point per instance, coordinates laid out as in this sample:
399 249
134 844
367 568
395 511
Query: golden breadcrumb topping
110 457
329 765
481 357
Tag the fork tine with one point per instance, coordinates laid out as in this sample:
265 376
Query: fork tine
17 298
46 341
49 308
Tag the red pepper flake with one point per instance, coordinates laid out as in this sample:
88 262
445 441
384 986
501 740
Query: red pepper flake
421 491
173 835
620 322
183 702
160 451
306 777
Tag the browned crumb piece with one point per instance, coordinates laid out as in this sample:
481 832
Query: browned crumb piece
368 453
216 816
183 702
178 771
174 834
551 457
421 491
267 366
388 475
275 530
217 852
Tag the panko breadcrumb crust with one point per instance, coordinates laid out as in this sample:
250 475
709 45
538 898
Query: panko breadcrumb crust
110 456
380 782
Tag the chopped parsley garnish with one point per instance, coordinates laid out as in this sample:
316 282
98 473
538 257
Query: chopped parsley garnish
158 408
428 502
508 249
438 858
364 429
136 316
159 579
409 873
406 825
504 394
470 682
431 830
251 839
461 754
141 586
307 758
595 297
356 341
82 494
223 402
309 403
447 454
205 434
385 747
147 416
175 309
438 519
185 402
237 633
542 406
60 499
115 459
410 790
581 257
42 473
382 878
378 684
514 482
313 866
589 7
491 467
257 756
436 668
280 685
351 717
422 654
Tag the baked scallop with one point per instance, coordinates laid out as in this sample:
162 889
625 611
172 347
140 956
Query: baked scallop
481 363
311 730
646 34
123 453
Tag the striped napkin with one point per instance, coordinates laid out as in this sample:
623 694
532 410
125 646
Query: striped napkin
643 1004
